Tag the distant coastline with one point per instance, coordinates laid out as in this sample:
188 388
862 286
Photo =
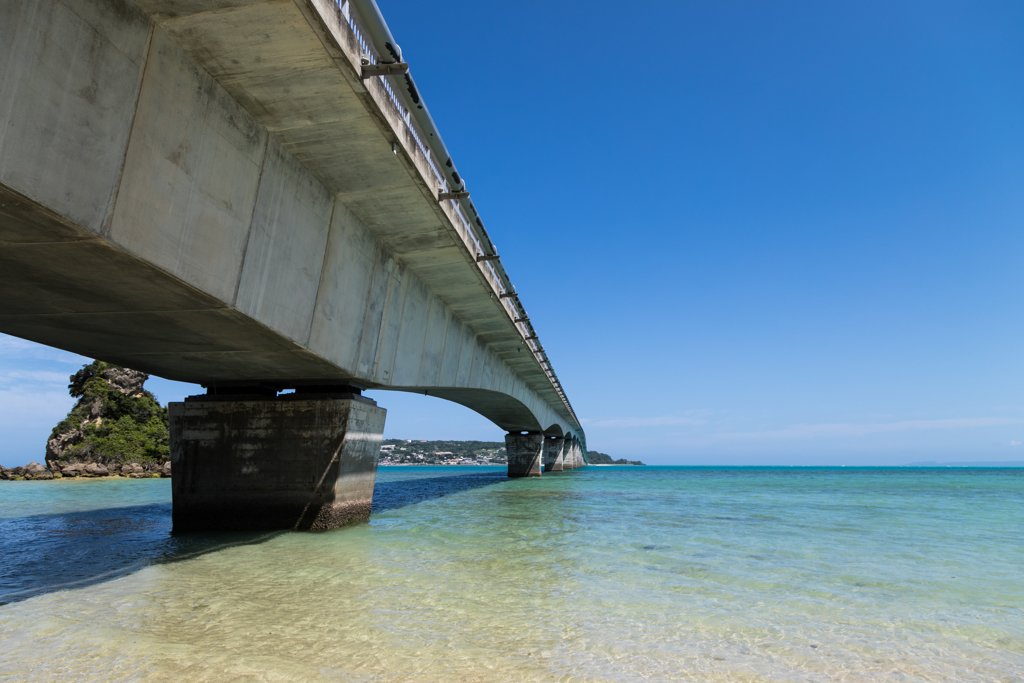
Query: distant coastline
597 458
980 463
481 453
440 464
393 453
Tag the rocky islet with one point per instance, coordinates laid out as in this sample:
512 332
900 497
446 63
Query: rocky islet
115 429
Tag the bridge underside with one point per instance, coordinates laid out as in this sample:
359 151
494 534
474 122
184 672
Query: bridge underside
208 192
65 287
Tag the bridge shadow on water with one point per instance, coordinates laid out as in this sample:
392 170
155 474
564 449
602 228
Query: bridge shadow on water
391 495
44 553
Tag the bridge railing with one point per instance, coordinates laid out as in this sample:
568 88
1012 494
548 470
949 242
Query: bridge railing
492 270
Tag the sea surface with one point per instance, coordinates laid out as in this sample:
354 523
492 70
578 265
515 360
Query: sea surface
600 574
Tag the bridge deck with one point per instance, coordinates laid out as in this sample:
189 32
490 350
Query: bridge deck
278 98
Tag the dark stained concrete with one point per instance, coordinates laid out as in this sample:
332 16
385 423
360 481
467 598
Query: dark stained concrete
553 447
283 463
525 452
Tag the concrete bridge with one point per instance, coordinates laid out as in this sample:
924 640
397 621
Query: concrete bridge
251 195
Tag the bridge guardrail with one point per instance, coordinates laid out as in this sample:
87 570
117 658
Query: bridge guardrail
472 235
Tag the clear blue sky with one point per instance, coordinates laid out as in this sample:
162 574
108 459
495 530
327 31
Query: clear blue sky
747 232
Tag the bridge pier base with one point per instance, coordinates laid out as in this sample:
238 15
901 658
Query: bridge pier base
525 453
553 454
282 463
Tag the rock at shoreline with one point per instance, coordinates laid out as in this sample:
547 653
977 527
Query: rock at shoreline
9 473
73 470
132 470
33 470
94 469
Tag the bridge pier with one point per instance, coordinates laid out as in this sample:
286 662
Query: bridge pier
573 458
553 454
290 462
525 454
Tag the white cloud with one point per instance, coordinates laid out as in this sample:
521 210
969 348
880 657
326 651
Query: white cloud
18 405
625 422
35 377
14 348
1016 443
851 429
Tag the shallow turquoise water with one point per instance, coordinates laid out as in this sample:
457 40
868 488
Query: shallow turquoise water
601 574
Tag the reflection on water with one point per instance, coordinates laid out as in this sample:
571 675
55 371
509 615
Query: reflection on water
601 574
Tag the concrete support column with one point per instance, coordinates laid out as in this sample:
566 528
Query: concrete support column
554 448
281 463
567 455
577 455
525 453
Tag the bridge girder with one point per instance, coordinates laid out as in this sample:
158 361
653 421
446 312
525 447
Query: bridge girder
216 201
